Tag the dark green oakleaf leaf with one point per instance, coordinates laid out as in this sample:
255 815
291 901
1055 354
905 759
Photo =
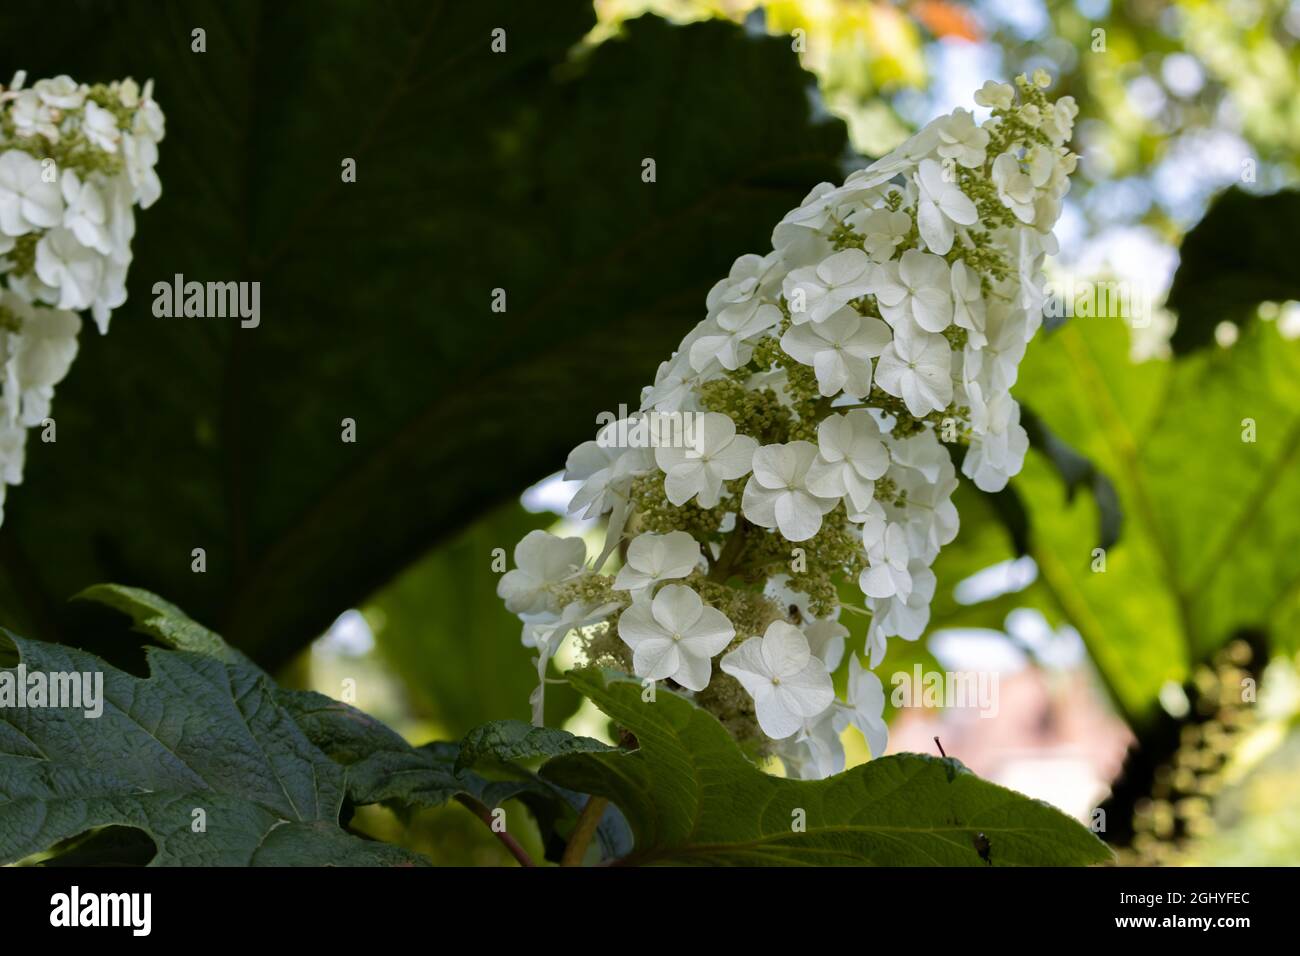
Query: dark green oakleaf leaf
198 734
158 618
509 740
383 768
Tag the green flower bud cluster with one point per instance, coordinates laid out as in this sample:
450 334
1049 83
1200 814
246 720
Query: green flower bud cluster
70 151
843 237
976 184
10 321
956 336
728 701
23 254
589 588
653 512
1013 127
867 306
750 611
602 647
756 412
984 257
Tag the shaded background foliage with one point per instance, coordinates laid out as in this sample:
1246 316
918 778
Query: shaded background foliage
477 171
522 171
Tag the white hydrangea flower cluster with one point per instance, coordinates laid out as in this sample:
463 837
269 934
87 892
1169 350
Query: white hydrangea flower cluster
74 161
820 395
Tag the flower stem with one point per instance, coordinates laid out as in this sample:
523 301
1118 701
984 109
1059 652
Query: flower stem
583 831
484 813
730 554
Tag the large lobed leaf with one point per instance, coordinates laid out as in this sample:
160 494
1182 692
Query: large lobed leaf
155 617
693 798
509 740
196 734
383 768
1211 543
274 770
476 171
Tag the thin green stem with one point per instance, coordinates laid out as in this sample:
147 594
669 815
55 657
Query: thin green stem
730 556
583 831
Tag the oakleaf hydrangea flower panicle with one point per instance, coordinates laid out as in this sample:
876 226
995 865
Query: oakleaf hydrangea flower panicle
801 439
74 162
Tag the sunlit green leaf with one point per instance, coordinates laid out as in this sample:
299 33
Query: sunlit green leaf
693 798
1202 452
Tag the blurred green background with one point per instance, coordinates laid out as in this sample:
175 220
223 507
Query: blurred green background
1162 690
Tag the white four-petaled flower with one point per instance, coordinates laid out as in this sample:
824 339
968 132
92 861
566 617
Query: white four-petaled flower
777 493
840 350
865 707
941 205
732 301
826 639
996 364
815 293
882 230
914 289
652 558
675 636
542 560
995 95
898 616
787 682
962 140
549 637
850 457
1015 188
39 358
968 303
28 199
917 367
999 442
732 348
887 574
717 454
